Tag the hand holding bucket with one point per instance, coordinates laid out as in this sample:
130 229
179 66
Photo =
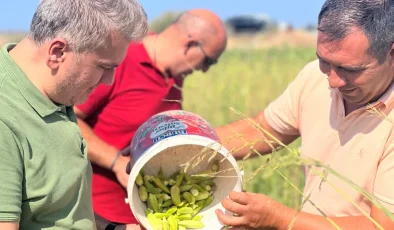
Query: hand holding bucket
177 140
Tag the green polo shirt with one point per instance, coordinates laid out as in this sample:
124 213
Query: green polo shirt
45 176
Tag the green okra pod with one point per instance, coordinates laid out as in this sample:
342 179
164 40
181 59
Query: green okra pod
167 203
202 195
152 201
161 185
139 180
184 217
184 210
185 188
179 179
143 194
189 197
175 195
191 223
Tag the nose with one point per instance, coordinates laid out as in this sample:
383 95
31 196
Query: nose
334 79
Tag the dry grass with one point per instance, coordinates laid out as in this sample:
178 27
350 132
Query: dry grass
10 37
261 40
269 40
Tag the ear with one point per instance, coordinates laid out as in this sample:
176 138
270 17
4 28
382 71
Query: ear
56 52
190 43
392 55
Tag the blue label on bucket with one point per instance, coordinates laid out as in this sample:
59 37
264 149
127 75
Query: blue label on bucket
164 127
169 134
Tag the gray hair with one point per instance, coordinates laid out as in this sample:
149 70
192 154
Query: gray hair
86 24
375 18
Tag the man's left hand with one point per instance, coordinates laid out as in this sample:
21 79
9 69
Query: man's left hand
251 211
126 152
120 170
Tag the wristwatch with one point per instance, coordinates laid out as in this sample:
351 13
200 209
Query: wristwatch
111 226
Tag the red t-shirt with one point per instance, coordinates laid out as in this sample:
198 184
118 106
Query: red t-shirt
115 112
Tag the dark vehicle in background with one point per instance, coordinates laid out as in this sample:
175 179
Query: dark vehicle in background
239 24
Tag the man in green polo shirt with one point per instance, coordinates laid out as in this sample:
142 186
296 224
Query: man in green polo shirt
72 46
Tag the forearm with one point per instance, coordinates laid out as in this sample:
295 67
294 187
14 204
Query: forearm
239 137
306 221
99 152
9 225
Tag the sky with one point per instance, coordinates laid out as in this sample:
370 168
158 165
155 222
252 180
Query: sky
299 13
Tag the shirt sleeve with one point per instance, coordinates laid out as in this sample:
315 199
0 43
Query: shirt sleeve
11 176
384 180
283 113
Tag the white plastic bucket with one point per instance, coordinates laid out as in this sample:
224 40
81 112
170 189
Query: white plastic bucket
172 139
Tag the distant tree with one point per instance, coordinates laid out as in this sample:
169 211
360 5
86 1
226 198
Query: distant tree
163 21
311 27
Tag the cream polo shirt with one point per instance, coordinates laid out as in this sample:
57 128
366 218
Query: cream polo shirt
360 146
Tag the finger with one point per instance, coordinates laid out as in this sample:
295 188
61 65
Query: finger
229 220
239 197
128 168
126 151
234 207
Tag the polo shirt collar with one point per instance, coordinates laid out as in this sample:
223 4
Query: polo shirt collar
388 98
144 58
38 101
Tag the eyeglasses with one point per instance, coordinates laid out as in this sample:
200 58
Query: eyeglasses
208 61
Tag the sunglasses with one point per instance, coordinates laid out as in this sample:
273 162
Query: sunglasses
208 61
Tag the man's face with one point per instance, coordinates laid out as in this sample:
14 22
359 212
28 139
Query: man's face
350 68
197 56
80 74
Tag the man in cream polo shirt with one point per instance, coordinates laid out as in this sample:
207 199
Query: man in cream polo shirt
72 46
332 106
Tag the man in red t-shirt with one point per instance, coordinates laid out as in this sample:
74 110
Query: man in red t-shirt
148 81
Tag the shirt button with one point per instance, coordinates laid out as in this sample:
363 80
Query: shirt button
341 114
361 153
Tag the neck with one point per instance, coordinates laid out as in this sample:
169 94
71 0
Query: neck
350 107
155 48
25 55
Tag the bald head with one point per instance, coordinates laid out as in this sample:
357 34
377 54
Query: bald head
204 25
194 41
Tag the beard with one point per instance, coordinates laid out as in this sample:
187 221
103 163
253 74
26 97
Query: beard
74 92
66 90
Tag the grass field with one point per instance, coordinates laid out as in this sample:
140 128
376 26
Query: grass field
249 80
